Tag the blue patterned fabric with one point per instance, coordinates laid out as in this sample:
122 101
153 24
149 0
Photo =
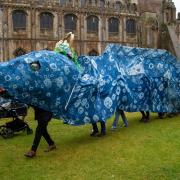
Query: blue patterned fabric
131 79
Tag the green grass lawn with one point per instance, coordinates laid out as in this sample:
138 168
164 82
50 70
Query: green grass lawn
141 151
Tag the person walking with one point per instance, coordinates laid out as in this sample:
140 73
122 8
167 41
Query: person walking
95 131
43 117
119 113
145 116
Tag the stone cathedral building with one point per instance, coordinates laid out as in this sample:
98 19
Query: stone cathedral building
27 25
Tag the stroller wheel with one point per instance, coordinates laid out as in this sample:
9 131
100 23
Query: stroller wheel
7 133
29 131
1 129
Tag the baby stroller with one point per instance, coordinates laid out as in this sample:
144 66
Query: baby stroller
15 110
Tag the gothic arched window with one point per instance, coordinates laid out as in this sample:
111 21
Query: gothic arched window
92 24
131 26
133 7
89 2
83 3
102 3
113 24
70 21
19 20
62 2
93 53
46 21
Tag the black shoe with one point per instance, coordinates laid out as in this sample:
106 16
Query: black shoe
146 120
161 117
142 119
94 133
102 134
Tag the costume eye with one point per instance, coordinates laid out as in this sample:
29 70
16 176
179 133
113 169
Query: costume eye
35 66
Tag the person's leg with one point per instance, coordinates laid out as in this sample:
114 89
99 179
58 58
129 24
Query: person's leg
47 136
161 115
95 130
143 116
125 121
41 130
147 115
103 128
116 119
36 141
48 139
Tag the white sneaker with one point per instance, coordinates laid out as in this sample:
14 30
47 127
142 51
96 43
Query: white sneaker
113 128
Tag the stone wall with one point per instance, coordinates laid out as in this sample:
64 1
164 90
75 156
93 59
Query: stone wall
33 39
145 13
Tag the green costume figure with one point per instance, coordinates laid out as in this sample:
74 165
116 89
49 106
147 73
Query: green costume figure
65 47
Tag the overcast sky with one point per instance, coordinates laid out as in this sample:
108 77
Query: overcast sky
177 4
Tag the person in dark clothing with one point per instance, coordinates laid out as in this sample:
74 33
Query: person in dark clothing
161 115
95 131
43 117
145 116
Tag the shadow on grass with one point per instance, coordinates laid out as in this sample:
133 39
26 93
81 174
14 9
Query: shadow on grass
84 138
73 135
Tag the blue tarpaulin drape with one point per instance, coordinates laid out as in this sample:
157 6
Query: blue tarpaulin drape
131 79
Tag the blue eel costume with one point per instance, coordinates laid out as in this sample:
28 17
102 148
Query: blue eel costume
127 78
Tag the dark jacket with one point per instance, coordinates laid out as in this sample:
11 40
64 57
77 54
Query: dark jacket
41 114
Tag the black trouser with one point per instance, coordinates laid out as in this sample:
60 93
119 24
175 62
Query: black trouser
41 130
103 127
145 114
